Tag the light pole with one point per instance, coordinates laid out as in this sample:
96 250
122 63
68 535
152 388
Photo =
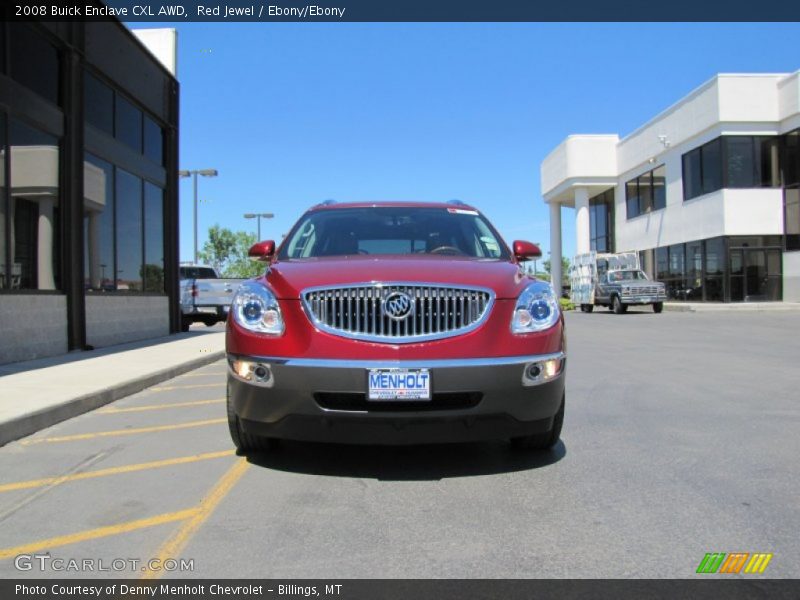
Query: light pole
194 174
258 216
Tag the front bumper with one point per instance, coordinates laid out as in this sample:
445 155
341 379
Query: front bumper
325 400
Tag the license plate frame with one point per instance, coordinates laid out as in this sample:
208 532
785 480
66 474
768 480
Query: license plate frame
383 385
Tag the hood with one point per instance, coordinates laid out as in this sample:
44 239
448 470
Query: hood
288 278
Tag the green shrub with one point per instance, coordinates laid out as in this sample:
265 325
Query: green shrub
566 304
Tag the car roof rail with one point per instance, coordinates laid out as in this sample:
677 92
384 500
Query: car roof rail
327 202
457 202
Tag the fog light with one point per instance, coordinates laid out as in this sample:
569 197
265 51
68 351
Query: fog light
262 373
243 368
256 373
534 371
542 371
551 368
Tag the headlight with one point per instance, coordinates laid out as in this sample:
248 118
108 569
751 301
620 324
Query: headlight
536 309
626 289
256 308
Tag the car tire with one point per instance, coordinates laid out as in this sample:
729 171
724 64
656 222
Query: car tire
542 441
245 442
589 308
658 307
185 324
210 322
617 306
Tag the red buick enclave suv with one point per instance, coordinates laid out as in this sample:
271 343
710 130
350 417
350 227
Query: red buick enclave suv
395 323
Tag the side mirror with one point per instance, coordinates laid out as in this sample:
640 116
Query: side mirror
526 250
262 251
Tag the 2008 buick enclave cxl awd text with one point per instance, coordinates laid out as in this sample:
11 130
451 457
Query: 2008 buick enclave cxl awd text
395 323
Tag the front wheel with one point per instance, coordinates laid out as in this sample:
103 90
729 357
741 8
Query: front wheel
658 307
617 306
245 442
542 441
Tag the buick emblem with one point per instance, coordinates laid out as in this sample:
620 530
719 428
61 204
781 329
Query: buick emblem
398 305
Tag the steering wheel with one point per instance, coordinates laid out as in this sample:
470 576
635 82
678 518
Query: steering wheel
446 250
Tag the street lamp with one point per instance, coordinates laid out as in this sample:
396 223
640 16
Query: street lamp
259 217
194 174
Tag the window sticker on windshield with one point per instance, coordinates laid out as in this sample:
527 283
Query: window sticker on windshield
461 211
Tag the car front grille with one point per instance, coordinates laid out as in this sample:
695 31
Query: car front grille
434 311
358 402
644 290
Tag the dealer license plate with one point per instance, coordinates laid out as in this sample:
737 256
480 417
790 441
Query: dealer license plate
399 384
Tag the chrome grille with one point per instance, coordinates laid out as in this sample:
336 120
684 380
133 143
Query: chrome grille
644 290
437 311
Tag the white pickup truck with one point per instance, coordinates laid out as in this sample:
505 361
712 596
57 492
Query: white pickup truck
205 297
613 280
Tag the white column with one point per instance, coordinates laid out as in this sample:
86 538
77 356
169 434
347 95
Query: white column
45 249
555 247
582 226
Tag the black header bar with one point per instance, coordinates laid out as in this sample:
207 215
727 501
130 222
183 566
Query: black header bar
310 11
732 588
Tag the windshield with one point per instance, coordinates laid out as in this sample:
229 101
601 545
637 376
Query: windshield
393 230
626 275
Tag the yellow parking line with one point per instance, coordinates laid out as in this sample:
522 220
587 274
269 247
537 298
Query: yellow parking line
185 387
114 411
100 532
175 544
182 460
116 432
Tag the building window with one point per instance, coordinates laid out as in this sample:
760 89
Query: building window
35 62
601 222
731 162
791 203
123 230
646 193
751 161
112 113
694 271
127 123
791 160
129 231
714 264
30 210
153 141
98 103
153 269
98 218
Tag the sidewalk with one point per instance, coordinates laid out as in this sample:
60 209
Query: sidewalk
38 393
731 306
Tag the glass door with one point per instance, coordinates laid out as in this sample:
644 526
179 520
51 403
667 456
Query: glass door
755 274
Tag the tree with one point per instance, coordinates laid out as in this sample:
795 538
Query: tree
226 251
218 247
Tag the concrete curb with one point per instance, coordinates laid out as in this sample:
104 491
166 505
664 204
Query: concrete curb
26 425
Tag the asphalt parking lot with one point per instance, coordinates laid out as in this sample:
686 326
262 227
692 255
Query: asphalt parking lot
680 438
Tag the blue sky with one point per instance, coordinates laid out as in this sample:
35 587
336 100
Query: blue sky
291 114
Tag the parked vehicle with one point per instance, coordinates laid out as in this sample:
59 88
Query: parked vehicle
205 297
395 323
613 280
